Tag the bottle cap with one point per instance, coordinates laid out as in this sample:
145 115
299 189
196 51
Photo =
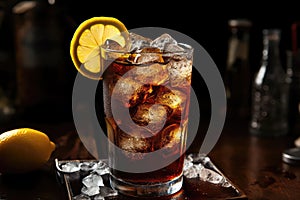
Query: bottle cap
291 156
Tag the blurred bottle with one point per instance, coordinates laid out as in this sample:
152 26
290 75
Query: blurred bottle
270 90
293 71
7 68
237 75
43 79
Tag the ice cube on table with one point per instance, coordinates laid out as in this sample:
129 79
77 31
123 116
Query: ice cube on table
102 171
69 167
98 197
193 171
102 168
187 163
195 167
198 158
92 180
102 165
88 166
90 191
210 176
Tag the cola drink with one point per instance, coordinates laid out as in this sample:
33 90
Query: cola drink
146 103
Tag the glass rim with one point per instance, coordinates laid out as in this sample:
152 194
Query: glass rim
187 49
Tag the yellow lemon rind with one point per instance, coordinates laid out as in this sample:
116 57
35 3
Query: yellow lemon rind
24 150
88 63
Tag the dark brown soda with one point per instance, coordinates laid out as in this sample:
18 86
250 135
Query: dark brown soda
172 135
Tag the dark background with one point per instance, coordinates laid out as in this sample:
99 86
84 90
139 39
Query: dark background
206 23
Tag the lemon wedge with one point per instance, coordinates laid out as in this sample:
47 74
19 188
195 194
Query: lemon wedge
24 150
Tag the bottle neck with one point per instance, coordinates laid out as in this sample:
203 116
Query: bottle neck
271 51
238 46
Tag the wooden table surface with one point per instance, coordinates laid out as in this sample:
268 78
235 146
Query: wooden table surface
252 163
255 163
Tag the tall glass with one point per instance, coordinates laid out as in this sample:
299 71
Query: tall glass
146 105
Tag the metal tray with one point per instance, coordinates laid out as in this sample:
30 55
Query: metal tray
194 188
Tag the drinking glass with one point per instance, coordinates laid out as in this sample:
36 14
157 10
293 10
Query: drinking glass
146 93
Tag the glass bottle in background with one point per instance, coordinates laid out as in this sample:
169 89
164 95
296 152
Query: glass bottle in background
43 79
7 68
237 74
293 71
270 90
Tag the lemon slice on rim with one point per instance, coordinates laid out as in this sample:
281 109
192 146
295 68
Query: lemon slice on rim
86 42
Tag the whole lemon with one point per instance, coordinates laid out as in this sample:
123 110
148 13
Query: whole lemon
24 150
